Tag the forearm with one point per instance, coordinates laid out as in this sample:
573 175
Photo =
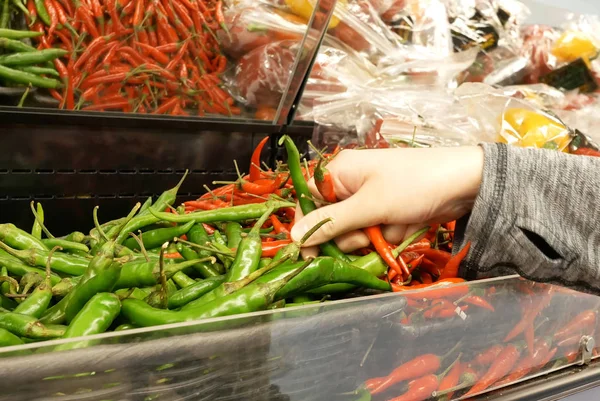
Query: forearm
528 197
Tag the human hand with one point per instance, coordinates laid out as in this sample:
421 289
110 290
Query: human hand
402 189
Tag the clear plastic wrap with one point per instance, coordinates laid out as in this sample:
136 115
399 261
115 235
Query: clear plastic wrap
513 120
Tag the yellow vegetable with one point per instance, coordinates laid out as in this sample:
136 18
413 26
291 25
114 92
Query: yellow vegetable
573 45
528 129
304 9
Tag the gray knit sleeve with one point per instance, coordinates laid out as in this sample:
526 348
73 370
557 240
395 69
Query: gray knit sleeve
538 215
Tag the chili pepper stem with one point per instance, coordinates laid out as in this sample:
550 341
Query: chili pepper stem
97 223
162 275
39 220
400 248
447 354
138 239
12 282
465 384
205 248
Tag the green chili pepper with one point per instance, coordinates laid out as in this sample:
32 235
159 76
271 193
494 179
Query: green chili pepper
66 245
229 287
204 269
64 286
94 318
5 17
303 193
182 279
371 263
233 231
7 339
221 246
39 300
135 293
68 264
26 78
32 69
194 291
145 206
75 236
36 230
28 58
42 12
155 238
199 236
264 262
16 46
16 268
125 326
19 239
5 302
262 230
144 274
248 252
14 34
234 213
29 281
27 326
322 271
251 298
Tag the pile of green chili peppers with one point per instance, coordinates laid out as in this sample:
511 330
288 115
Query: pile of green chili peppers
154 268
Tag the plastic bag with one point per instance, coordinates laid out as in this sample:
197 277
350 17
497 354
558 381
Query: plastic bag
506 119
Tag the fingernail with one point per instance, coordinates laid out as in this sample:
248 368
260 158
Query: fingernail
298 231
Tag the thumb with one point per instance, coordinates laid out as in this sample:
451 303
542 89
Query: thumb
346 216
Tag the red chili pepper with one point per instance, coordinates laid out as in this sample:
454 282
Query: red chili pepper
49 4
451 379
426 278
451 268
419 389
418 246
587 152
447 313
479 301
278 226
219 15
548 357
166 106
155 54
530 362
437 305
440 258
60 13
255 172
324 183
111 6
168 48
32 12
138 14
174 255
502 366
182 13
88 20
94 46
440 289
383 249
177 59
584 321
114 105
488 356
270 249
530 315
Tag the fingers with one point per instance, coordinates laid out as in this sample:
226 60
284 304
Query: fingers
307 252
353 213
352 241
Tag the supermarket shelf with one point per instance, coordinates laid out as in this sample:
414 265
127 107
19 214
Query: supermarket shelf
554 386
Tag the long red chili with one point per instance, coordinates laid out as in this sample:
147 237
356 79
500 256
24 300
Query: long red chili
451 268
383 249
418 367
586 320
587 152
440 289
324 183
419 389
487 357
255 172
270 249
502 366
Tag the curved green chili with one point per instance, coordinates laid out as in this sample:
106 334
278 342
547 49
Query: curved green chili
42 12
233 231
28 58
39 300
182 280
7 339
94 318
194 291
75 236
303 194
16 268
64 263
36 230
65 244
145 274
204 269
323 271
28 326
16 34
19 239
230 287
251 298
248 252
233 213
155 238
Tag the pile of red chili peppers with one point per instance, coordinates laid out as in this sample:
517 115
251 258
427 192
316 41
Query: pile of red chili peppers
143 56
